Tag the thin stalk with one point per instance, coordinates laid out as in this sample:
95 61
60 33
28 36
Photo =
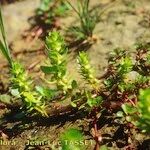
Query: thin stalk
74 8
3 43
97 136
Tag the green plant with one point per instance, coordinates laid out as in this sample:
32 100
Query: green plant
120 66
57 54
3 43
87 71
57 69
139 114
93 99
72 139
20 83
143 59
144 110
87 19
127 75
21 87
49 10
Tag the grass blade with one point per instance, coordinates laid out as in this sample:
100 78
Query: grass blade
3 43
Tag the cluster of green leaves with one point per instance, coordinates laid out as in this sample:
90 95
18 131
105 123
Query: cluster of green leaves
139 114
143 59
93 101
57 69
127 76
86 70
21 84
125 73
21 87
57 54
120 66
50 9
88 74
72 139
34 99
144 110
87 20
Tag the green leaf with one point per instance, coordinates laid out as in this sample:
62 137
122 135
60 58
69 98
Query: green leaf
30 98
72 139
73 104
129 118
3 44
128 108
6 99
94 101
15 92
45 92
56 50
4 52
119 114
144 110
104 147
74 84
49 70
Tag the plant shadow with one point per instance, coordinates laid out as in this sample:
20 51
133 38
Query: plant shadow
16 122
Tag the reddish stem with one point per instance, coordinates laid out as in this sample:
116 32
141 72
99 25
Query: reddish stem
97 136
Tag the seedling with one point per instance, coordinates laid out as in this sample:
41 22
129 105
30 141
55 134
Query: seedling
22 88
94 101
87 71
87 20
57 54
124 76
49 11
139 114
128 76
46 5
20 83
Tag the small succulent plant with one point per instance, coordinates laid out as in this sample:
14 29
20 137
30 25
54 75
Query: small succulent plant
20 83
87 71
57 54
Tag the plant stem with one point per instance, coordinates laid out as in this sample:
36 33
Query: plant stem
97 137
